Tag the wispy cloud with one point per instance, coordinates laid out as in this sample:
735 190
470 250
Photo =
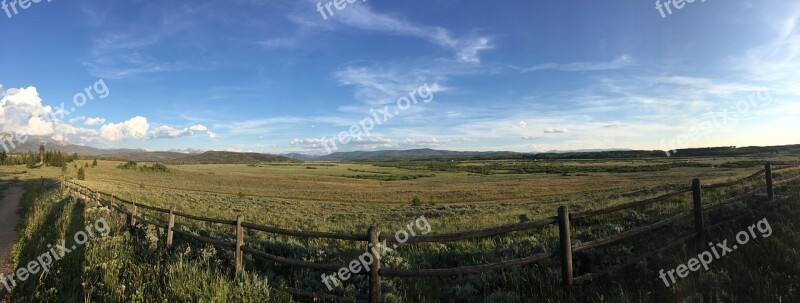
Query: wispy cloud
555 130
121 51
467 48
620 62
778 59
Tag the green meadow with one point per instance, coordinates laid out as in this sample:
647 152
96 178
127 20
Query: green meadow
452 195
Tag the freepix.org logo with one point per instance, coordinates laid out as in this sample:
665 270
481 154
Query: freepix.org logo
665 7
13 8
327 10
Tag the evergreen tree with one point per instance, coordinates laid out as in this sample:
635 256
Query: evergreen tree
81 174
41 153
30 160
94 163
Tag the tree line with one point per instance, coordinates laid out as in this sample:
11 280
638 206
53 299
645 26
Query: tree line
42 158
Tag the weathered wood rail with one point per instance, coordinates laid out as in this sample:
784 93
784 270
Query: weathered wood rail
563 218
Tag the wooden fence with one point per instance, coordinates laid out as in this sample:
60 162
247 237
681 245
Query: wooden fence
563 218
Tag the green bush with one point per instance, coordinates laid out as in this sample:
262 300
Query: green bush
129 165
157 168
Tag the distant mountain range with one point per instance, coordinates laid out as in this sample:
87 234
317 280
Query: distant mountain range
414 154
190 156
33 143
171 157
222 157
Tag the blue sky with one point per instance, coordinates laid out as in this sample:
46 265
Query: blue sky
528 76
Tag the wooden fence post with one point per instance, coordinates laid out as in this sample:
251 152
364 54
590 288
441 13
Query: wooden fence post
566 247
170 225
132 220
112 201
239 243
699 225
374 249
770 188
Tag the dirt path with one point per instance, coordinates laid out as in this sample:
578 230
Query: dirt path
8 224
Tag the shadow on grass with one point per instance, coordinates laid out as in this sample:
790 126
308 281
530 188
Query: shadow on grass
46 222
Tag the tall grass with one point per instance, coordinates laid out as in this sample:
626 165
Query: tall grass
124 266
132 265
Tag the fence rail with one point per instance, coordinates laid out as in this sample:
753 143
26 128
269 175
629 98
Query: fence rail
566 250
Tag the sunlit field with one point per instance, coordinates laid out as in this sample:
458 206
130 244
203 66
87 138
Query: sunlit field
351 197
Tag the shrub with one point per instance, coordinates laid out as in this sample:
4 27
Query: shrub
158 168
81 174
129 165
416 201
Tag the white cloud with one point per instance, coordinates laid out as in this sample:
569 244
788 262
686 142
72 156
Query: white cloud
617 63
469 53
364 18
22 112
384 85
166 132
135 128
94 121
306 141
198 128
555 130
777 59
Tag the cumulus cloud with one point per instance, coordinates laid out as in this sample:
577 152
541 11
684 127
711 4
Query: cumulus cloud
94 121
88 121
135 128
198 128
555 130
166 131
22 112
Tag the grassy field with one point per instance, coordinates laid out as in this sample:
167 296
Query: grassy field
350 197
323 195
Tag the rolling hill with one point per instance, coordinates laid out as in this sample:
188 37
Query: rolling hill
222 157
414 154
